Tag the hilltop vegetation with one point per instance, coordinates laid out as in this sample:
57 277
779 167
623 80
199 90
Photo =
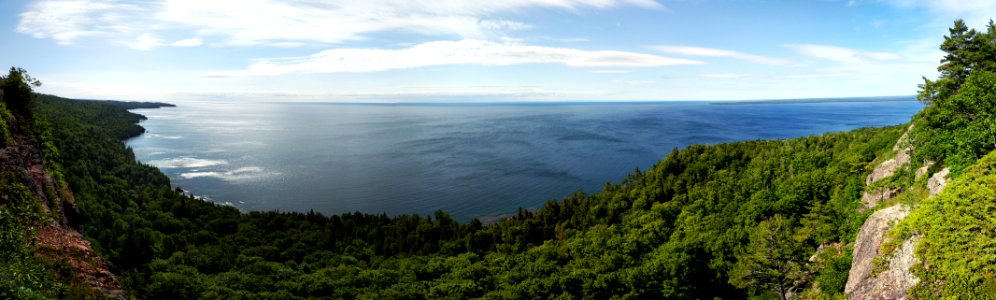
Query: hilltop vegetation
958 125
32 197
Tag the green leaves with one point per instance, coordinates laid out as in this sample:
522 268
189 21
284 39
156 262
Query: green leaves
21 275
958 125
958 236
961 129
773 259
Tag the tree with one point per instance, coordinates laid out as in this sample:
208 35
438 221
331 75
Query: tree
15 89
960 50
958 125
773 260
966 50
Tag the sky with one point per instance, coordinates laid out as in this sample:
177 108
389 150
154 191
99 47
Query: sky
470 50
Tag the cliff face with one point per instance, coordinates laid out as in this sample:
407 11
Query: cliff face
23 165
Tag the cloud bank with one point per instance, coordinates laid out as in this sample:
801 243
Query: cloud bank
844 55
439 53
712 52
144 25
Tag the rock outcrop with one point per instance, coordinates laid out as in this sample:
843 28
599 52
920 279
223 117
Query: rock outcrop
60 243
864 280
890 166
871 198
887 168
862 283
895 281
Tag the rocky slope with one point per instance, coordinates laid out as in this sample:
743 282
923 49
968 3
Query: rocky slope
878 275
21 161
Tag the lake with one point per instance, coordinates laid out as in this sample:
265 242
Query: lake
470 160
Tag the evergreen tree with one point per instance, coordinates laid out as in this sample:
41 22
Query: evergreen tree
773 260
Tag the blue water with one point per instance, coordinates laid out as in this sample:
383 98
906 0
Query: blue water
470 160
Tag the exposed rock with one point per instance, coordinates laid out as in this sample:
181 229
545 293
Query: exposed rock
938 181
870 199
61 244
887 168
923 170
890 166
896 280
868 246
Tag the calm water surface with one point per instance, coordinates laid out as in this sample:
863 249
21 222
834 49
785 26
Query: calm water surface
470 160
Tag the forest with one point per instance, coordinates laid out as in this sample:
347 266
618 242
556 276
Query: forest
735 220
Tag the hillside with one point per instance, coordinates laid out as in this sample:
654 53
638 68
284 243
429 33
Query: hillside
765 219
676 230
41 255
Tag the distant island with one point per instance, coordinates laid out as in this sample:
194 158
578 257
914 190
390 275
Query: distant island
131 105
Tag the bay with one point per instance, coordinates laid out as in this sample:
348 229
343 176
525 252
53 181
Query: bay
471 160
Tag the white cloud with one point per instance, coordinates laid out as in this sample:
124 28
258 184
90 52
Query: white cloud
283 23
191 42
727 75
842 54
145 42
854 68
711 52
610 71
463 52
390 93
632 81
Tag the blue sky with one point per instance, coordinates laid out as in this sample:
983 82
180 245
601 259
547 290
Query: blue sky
509 50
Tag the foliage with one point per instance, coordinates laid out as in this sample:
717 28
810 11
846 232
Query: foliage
673 231
773 259
6 138
833 269
958 128
958 236
15 90
958 125
21 275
